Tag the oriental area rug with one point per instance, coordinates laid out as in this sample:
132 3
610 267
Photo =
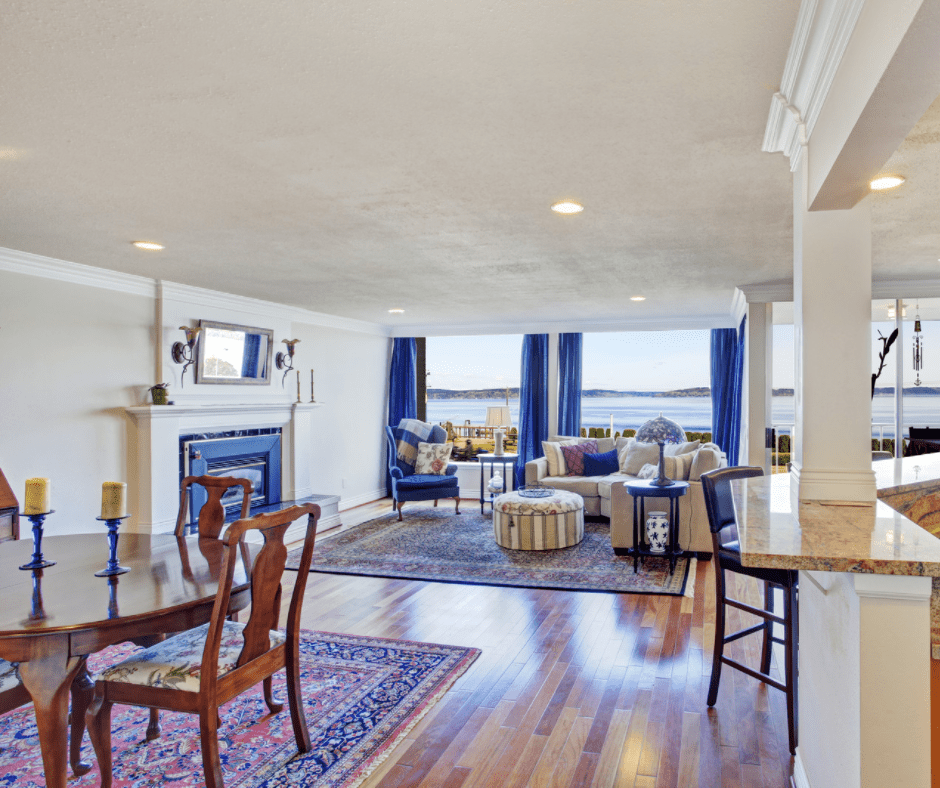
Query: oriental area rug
437 545
361 696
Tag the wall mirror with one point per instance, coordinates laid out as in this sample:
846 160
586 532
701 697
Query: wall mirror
233 355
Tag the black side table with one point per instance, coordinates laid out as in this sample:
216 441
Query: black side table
491 460
641 490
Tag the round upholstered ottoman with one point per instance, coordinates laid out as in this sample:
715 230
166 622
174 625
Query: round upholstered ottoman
522 523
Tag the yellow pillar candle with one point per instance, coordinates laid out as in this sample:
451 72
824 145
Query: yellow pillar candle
113 500
38 498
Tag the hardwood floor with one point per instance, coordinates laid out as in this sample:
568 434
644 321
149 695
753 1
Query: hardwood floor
572 689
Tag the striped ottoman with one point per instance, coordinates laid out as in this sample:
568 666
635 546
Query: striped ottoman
521 523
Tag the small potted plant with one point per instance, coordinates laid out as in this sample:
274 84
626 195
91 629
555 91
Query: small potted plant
159 393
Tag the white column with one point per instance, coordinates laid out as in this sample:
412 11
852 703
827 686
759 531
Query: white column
553 384
759 383
832 347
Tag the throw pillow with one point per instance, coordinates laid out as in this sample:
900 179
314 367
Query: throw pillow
648 471
707 458
672 449
432 458
601 464
556 460
604 445
678 467
635 455
574 456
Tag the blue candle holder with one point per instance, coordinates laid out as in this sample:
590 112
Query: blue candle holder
113 568
38 561
37 612
113 611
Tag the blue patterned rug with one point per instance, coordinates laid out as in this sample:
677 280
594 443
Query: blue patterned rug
437 545
361 696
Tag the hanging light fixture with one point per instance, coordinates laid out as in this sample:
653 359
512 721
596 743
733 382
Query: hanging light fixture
918 347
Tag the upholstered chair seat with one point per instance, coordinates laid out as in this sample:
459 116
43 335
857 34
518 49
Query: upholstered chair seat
8 678
175 663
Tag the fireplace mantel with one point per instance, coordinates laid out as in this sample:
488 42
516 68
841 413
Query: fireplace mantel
153 442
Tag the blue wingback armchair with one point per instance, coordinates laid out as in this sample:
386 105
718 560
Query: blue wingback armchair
410 486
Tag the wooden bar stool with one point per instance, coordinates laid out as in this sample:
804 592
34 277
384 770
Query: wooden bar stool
719 504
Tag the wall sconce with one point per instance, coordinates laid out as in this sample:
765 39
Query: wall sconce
185 353
285 361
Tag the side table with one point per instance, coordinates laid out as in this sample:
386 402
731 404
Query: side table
641 490
491 460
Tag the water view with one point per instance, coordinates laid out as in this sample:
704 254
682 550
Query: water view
693 413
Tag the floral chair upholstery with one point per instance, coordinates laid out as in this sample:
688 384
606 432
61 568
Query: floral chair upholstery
410 486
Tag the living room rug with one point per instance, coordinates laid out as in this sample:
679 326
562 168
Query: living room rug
361 696
437 545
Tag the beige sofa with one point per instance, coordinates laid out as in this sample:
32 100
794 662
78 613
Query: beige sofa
607 496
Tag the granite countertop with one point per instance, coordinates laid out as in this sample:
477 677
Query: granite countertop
828 536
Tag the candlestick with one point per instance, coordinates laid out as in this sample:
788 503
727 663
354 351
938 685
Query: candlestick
37 612
312 398
113 500
113 568
38 499
37 519
113 611
298 387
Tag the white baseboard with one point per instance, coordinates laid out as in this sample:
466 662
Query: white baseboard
358 500
799 779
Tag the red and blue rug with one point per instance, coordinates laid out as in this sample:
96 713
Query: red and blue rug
361 695
437 545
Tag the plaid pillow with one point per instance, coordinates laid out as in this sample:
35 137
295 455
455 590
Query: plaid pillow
574 456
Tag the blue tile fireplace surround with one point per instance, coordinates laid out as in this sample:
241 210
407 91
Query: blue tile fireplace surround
253 454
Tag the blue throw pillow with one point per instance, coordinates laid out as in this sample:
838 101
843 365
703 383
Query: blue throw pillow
601 464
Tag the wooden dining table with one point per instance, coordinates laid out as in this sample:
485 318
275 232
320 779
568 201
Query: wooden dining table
51 619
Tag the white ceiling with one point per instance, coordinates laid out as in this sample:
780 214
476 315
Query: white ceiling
353 157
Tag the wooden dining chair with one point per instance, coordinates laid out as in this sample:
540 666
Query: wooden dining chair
199 670
13 695
722 520
211 518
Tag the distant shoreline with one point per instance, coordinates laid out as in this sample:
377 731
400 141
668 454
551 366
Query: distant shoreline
445 394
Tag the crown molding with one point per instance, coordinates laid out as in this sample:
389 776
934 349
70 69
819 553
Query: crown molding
767 292
820 39
678 322
75 273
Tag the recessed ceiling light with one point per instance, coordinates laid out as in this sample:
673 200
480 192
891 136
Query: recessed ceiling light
148 245
637 298
886 182
396 311
567 206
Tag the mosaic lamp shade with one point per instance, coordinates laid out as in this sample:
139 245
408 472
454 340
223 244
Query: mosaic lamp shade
662 431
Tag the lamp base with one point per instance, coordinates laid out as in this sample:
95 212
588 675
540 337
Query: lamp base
663 482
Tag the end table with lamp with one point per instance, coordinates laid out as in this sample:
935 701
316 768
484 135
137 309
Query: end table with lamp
487 496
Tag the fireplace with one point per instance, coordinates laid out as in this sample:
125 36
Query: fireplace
253 454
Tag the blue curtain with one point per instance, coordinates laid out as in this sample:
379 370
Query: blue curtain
727 373
533 401
250 356
569 384
402 387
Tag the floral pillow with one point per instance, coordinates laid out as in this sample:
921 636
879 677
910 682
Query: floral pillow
574 456
432 458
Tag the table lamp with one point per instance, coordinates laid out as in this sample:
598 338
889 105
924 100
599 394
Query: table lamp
662 431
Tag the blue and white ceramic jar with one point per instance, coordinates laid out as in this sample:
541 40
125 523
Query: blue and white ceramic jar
657 531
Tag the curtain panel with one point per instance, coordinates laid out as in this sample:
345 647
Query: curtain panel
533 401
402 387
569 384
727 379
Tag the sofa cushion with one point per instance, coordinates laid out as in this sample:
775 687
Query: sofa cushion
672 449
635 455
604 485
432 458
604 445
601 464
585 486
676 468
707 458
574 456
556 460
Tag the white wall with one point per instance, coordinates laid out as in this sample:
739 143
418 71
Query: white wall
76 355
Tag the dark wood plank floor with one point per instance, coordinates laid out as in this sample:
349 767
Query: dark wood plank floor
572 689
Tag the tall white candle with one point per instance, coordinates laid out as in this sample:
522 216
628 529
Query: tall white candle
38 498
113 500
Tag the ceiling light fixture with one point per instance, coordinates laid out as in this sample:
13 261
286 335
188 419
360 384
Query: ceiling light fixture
637 298
567 206
396 311
148 245
886 182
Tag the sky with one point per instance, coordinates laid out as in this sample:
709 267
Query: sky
649 360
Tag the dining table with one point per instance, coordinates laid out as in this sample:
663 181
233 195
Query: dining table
51 619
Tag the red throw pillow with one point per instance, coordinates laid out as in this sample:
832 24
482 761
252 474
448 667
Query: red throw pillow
574 456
